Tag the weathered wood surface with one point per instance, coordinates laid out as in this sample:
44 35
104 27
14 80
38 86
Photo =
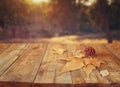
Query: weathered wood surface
37 65
114 48
9 56
3 46
46 72
79 77
26 67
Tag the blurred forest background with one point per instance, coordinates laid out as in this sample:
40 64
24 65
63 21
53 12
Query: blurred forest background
27 19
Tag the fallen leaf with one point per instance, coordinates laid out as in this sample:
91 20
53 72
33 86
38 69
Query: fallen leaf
73 51
64 60
88 69
104 73
77 53
72 65
94 61
67 59
59 50
76 61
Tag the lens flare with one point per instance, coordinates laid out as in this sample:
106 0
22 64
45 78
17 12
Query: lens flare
38 1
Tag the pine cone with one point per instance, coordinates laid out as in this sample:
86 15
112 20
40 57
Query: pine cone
89 51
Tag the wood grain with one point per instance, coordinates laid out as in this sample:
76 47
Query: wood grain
78 76
46 72
112 64
25 68
37 65
3 46
114 48
15 84
10 55
64 78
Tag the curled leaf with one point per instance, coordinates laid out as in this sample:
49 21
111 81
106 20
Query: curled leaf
67 59
94 61
104 73
72 65
88 69
59 50
77 53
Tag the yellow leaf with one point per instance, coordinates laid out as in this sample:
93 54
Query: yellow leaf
77 53
94 61
88 69
72 65
67 59
59 50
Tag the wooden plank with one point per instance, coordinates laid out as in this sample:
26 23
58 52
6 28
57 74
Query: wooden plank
112 64
10 55
3 46
46 72
15 84
96 72
79 77
6 84
25 68
64 79
93 85
105 55
114 48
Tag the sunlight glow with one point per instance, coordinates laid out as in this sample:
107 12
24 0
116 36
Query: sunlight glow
38 1
88 2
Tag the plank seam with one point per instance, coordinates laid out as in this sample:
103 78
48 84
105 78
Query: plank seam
5 49
70 71
40 65
71 77
55 73
112 52
15 60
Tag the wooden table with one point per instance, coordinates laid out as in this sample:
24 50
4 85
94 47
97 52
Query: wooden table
35 65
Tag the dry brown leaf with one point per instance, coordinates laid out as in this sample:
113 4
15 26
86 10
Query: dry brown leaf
75 61
59 50
64 60
87 61
67 59
95 61
77 53
88 69
72 65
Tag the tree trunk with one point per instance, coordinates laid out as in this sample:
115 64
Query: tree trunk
103 8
